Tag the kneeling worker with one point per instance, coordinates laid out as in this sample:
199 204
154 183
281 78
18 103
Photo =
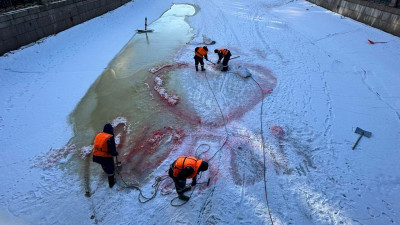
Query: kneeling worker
223 53
181 169
104 150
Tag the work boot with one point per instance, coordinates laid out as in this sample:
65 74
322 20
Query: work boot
187 188
183 197
202 68
197 68
111 181
224 69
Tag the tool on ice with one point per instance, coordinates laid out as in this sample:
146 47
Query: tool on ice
118 163
361 132
208 182
210 62
375 42
145 27
234 57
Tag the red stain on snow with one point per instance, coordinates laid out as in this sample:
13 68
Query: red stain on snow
277 131
177 109
167 67
246 165
265 78
148 150
171 99
267 82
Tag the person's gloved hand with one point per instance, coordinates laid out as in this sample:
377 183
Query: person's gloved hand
218 61
194 182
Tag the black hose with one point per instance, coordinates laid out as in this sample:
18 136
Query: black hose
263 149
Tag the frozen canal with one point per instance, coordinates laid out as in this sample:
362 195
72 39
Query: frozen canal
124 95
283 135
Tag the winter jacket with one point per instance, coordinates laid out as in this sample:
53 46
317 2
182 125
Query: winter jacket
111 147
201 52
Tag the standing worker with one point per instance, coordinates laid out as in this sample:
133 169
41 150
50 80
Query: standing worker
200 52
181 169
104 150
226 54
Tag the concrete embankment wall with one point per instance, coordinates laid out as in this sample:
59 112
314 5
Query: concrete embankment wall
24 26
376 15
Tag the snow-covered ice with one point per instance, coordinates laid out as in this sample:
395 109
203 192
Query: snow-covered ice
319 78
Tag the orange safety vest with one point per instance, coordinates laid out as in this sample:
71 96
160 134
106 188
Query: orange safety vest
100 145
223 51
184 161
201 52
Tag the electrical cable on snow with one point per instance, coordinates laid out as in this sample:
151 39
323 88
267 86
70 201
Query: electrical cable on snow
159 179
198 156
263 149
223 118
227 134
156 185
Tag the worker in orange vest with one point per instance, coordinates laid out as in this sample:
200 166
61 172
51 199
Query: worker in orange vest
226 54
104 150
200 52
186 167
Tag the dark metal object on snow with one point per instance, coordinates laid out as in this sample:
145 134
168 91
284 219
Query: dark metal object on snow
210 62
145 27
375 42
361 132
118 163
208 182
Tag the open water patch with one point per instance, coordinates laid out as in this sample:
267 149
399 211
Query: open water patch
147 133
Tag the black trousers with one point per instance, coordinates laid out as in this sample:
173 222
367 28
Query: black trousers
226 60
179 184
107 163
197 60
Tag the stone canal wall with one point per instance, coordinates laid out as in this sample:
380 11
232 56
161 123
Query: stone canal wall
24 26
386 18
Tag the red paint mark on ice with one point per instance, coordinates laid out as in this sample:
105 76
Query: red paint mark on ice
265 78
277 131
246 165
167 67
171 99
267 91
148 150
267 82
54 155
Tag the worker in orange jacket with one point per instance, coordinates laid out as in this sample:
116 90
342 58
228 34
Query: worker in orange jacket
200 53
223 53
104 150
186 167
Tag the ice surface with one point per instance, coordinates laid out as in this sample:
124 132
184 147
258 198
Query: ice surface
319 78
